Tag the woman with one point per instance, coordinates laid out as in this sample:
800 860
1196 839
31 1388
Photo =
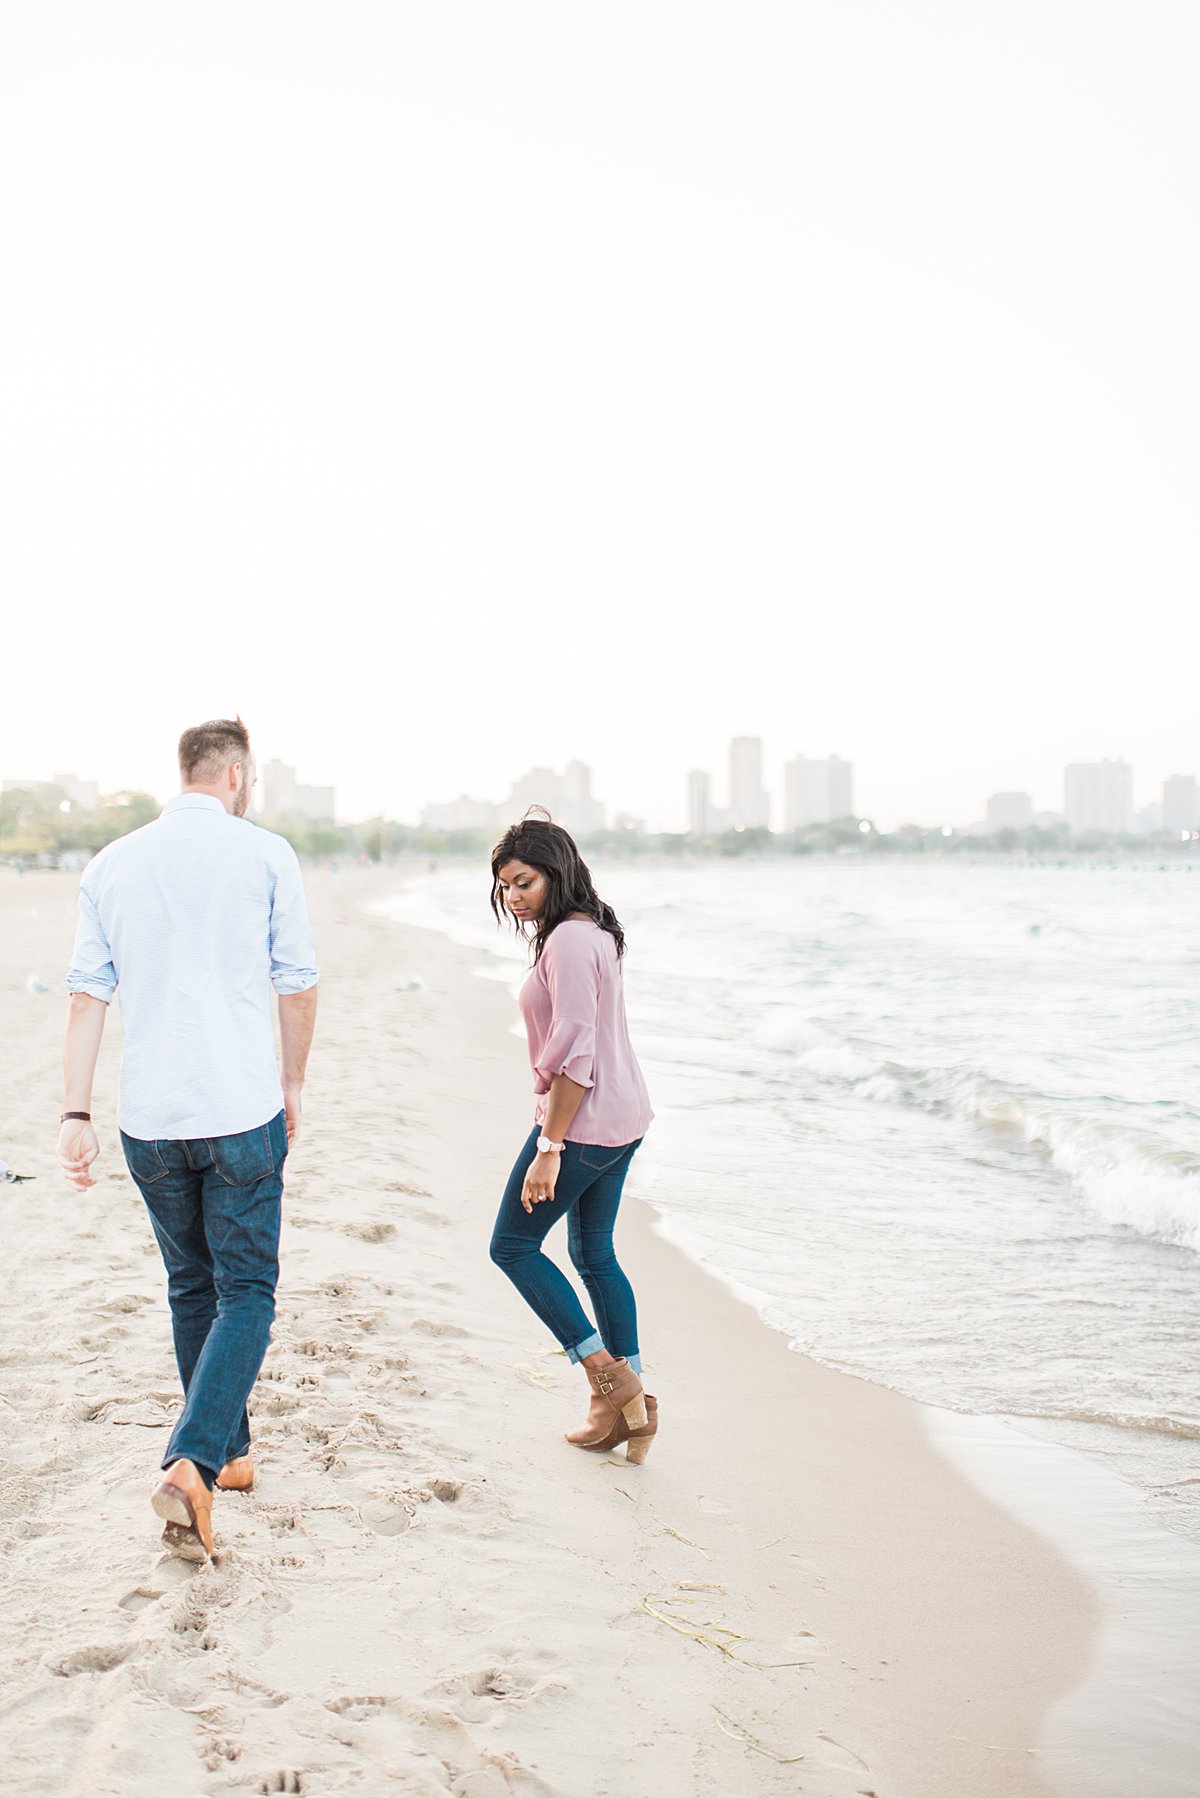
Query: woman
592 1112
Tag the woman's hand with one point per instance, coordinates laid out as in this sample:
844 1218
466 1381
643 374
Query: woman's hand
541 1177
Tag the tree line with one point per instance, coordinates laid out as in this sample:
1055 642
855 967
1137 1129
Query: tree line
40 825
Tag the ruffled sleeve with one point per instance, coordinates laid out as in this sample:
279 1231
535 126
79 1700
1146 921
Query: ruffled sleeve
572 969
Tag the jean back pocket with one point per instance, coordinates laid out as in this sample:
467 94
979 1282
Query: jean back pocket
250 1155
600 1158
144 1160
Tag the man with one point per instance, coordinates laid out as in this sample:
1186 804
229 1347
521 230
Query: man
191 916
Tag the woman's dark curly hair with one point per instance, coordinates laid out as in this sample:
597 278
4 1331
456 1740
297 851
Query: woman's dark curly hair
546 846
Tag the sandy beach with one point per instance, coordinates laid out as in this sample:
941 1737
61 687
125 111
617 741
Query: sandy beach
429 1591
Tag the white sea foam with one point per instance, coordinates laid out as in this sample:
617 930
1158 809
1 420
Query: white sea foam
1125 1182
1124 1177
880 1089
787 1031
836 1061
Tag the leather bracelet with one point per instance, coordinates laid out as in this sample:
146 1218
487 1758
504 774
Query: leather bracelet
83 1117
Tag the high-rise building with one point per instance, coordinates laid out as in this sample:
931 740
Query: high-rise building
82 793
1099 796
541 786
284 796
817 790
700 806
1009 811
748 798
461 814
567 797
577 809
1180 803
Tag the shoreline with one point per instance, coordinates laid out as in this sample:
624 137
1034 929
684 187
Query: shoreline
429 1591
1078 1500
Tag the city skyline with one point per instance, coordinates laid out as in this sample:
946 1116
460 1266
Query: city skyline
810 790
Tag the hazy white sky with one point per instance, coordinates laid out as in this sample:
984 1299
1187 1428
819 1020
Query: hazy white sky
451 387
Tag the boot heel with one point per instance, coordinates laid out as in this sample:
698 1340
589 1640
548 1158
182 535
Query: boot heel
639 1448
634 1412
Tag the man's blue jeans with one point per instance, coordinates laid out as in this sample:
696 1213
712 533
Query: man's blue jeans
587 1194
215 1206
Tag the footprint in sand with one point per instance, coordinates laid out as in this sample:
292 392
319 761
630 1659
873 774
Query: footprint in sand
303 1382
356 1709
122 1306
277 1404
370 1232
432 1327
326 1351
220 1752
139 1598
434 1730
448 1491
387 1517
98 1658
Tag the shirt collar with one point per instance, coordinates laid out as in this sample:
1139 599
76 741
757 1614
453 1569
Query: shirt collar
192 802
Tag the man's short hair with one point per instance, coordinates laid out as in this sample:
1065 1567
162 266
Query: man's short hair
207 748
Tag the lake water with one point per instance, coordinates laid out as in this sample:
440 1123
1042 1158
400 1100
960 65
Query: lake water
940 1121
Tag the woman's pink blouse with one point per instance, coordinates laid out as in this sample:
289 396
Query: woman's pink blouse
573 1004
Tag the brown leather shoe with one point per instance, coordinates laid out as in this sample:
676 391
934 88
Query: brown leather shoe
617 1398
184 1502
237 1475
619 1431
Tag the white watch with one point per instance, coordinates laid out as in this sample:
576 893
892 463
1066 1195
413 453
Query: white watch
545 1146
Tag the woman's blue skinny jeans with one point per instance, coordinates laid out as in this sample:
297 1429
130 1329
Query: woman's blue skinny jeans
588 1195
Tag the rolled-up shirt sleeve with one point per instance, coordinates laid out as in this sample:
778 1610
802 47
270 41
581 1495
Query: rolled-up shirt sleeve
572 970
91 970
293 953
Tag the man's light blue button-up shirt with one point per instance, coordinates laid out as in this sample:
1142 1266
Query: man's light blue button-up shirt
195 917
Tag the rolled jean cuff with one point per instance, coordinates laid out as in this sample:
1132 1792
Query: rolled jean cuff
591 1345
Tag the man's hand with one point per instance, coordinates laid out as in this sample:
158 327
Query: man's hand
291 1113
541 1177
78 1147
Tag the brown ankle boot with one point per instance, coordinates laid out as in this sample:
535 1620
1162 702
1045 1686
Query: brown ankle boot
639 1440
185 1504
617 1400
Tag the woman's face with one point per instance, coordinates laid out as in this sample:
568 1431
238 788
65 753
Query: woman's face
524 890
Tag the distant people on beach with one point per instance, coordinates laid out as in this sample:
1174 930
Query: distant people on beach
190 916
591 1114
